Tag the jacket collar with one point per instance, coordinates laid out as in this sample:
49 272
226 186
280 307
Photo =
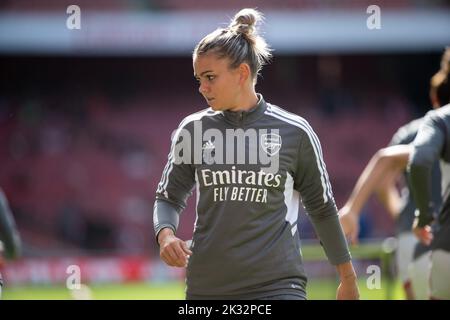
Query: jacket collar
240 118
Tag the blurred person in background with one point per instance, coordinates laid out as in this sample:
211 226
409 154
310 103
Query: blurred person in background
246 246
10 243
386 168
431 224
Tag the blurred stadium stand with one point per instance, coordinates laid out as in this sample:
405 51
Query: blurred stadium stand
121 5
172 28
86 115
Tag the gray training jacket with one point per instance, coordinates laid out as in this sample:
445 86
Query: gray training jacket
405 218
246 243
432 142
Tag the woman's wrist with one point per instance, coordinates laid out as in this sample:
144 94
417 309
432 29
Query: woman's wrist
348 277
164 233
346 272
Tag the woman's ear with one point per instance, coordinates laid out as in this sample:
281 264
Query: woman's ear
244 73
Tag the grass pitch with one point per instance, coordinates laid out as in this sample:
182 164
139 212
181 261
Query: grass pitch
317 290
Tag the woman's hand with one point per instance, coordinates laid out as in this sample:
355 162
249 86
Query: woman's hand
172 250
350 224
348 288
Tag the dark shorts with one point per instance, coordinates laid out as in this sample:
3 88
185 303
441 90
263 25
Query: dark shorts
283 297
288 295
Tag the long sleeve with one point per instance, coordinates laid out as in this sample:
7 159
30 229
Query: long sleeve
313 184
428 146
165 215
406 133
177 181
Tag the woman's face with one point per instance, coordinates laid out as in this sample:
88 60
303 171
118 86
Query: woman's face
220 85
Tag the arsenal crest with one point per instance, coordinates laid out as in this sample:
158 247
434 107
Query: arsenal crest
208 152
271 143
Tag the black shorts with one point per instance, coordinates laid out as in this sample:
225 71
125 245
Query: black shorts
297 294
284 297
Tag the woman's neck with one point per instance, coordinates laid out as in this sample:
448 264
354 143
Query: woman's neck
246 103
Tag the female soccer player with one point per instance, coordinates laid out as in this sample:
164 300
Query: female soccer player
433 142
380 176
250 161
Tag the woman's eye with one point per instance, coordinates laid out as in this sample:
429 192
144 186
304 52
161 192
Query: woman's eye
210 78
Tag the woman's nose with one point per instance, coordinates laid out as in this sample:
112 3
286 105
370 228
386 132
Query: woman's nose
202 89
